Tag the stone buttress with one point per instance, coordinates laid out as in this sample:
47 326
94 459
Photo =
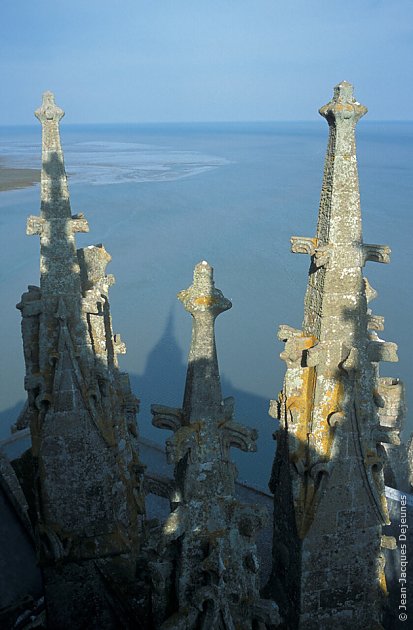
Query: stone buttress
81 412
207 572
335 414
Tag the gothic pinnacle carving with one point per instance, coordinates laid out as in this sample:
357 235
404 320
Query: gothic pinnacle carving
330 436
217 555
59 267
88 477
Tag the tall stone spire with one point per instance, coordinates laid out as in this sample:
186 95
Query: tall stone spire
203 388
54 182
327 476
217 583
59 268
81 412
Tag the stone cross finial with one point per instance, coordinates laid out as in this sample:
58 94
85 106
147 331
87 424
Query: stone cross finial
54 190
343 104
56 226
48 109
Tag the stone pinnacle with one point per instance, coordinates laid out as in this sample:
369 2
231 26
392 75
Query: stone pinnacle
48 109
203 396
343 104
202 296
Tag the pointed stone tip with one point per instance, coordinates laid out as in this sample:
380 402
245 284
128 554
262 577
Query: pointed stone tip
345 83
203 266
344 92
203 270
48 109
203 273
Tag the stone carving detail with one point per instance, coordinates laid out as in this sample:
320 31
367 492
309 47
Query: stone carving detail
328 470
303 245
371 293
322 256
374 322
216 584
81 411
379 350
376 253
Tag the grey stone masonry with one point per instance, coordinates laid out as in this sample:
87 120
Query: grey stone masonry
335 414
89 500
209 536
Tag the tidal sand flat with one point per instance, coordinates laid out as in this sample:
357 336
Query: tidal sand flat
14 178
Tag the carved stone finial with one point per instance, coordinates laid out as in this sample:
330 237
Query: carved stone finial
59 266
343 92
48 109
343 104
203 395
202 295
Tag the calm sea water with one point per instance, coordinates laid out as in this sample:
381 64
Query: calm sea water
163 197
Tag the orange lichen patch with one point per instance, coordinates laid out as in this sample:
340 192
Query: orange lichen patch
205 300
300 406
339 107
382 582
309 340
322 435
385 508
319 439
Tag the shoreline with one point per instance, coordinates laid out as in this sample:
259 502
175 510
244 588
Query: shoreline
17 178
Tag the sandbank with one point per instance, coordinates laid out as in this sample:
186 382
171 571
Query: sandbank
13 178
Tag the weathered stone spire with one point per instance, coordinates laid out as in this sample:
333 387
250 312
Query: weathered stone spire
217 584
203 387
81 412
59 267
53 180
327 476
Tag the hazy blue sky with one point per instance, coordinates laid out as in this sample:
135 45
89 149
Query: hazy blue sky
203 60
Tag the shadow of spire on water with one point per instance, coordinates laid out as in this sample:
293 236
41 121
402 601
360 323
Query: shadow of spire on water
164 379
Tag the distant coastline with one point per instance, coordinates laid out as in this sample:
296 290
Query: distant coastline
15 178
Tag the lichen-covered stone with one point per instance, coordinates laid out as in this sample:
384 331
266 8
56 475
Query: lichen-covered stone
334 413
208 564
81 411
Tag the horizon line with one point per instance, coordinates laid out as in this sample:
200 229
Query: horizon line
205 122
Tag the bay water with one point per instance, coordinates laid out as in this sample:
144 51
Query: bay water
161 198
